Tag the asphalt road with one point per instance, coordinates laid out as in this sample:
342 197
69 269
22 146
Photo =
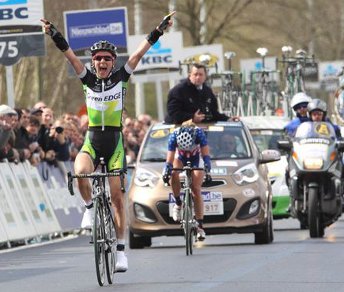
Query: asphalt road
293 262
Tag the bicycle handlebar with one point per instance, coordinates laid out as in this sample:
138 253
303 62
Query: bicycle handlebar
96 174
295 60
225 73
188 168
71 176
185 168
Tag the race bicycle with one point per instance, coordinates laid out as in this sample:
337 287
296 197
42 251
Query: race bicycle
188 221
103 232
294 71
230 95
264 86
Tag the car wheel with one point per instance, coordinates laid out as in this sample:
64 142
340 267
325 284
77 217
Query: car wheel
138 242
267 234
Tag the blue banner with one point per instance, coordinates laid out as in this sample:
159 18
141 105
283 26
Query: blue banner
85 27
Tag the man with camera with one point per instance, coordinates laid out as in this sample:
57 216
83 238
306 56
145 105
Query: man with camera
56 144
193 99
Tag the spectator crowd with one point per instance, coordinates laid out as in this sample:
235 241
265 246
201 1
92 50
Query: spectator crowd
37 135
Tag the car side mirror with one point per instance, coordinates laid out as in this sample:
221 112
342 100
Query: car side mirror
269 155
286 145
340 146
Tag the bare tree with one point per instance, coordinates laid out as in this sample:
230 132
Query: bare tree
239 25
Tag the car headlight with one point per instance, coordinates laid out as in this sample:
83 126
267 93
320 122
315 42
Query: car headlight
145 178
313 163
246 174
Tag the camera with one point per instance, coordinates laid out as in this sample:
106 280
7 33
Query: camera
59 130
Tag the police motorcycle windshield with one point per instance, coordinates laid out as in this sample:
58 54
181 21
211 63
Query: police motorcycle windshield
314 146
316 130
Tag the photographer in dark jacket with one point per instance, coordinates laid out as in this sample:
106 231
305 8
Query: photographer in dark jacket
56 145
193 99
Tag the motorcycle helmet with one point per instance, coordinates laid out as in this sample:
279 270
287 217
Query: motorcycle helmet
104 46
186 137
300 98
317 105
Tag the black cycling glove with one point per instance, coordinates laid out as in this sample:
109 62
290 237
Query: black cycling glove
166 173
58 38
153 37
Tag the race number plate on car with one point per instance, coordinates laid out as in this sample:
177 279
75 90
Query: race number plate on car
213 203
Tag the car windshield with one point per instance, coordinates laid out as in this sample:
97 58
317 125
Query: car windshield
155 147
225 142
315 130
267 139
228 143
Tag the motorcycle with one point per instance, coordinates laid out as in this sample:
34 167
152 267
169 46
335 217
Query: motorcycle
315 176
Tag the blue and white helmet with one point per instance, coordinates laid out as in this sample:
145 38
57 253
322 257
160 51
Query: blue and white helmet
186 138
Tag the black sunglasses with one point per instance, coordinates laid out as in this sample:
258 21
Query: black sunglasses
99 58
300 106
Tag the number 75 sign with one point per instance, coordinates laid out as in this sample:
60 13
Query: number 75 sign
20 30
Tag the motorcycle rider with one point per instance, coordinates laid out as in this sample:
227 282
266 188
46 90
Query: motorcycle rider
299 104
317 110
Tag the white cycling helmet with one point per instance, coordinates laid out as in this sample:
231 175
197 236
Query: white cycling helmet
317 105
299 98
186 138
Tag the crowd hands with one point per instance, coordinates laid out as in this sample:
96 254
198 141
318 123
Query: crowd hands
35 135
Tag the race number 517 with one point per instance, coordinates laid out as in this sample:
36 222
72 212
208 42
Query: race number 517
8 49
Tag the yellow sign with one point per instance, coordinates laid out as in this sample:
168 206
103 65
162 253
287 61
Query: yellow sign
160 133
322 129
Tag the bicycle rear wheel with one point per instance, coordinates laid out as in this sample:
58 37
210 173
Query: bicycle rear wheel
188 223
111 244
99 241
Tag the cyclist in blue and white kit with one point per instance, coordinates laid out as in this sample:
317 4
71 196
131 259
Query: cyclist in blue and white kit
190 143
105 91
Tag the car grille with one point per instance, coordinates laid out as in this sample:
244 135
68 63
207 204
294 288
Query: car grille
228 208
213 183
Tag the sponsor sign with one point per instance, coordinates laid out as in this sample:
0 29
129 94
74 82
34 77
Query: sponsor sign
164 54
213 203
21 32
250 65
215 51
328 72
18 17
85 27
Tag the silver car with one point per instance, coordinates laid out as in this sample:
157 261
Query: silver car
238 200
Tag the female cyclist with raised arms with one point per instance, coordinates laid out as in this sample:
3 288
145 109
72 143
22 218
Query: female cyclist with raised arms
191 143
104 136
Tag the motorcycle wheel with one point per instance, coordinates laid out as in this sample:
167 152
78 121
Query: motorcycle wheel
316 228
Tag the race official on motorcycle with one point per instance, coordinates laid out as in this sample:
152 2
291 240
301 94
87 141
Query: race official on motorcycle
317 110
299 104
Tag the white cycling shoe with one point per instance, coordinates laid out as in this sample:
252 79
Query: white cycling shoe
200 234
176 213
121 263
87 219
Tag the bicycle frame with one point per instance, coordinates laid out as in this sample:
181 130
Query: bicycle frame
294 74
229 94
188 222
104 232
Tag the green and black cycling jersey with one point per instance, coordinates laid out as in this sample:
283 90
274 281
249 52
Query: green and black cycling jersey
105 97
104 101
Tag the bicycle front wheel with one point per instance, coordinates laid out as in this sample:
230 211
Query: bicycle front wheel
99 241
188 222
111 244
